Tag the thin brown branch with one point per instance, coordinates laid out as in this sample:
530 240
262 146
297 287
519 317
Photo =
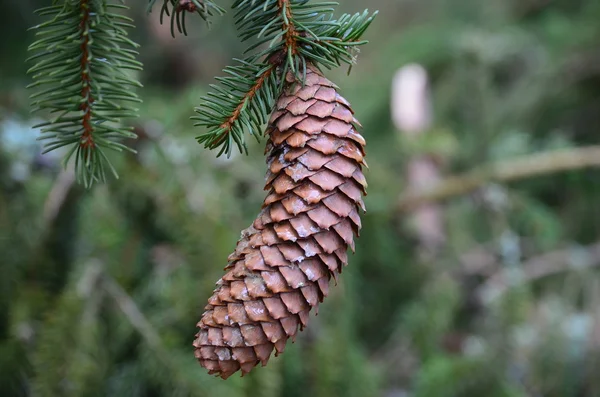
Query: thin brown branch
86 140
186 5
510 170
542 266
142 325
248 97
131 310
290 37
58 195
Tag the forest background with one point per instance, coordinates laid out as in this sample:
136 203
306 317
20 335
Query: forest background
484 284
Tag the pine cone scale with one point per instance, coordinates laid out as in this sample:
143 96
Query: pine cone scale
282 265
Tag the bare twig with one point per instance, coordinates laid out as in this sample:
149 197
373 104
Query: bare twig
510 170
90 279
138 321
58 195
133 313
480 260
542 266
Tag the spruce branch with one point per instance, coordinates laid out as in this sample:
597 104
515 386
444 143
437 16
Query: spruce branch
241 103
82 56
176 10
285 35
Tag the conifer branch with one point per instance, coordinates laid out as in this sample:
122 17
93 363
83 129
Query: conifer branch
87 140
237 106
287 35
82 56
83 50
176 10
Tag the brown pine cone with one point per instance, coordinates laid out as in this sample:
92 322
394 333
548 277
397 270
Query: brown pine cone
281 267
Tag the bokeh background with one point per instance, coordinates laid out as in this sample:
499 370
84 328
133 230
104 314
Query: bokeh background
476 273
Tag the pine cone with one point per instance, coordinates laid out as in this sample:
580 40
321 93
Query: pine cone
282 264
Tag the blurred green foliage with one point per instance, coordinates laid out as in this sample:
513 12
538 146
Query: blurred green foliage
100 291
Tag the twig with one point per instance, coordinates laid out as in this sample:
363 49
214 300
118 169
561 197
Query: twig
510 170
142 325
243 103
290 37
133 313
542 266
58 195
90 278
87 138
481 260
